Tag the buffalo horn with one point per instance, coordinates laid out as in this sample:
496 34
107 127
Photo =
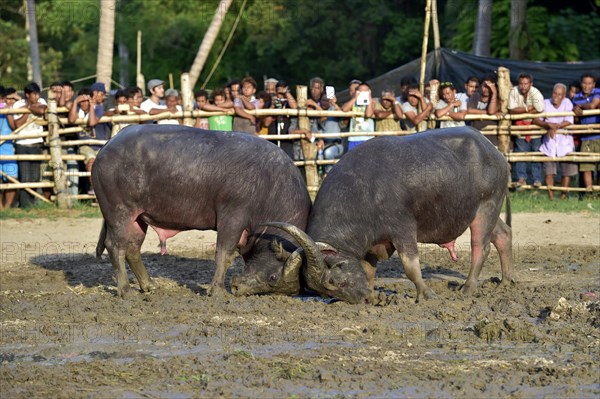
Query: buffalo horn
314 261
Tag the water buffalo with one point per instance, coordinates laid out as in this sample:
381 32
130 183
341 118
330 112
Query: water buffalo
391 193
176 178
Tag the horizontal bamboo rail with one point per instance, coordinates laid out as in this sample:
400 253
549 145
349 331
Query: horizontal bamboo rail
501 129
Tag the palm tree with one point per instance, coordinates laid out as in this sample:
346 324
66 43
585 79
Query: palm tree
518 29
483 28
208 40
33 42
106 40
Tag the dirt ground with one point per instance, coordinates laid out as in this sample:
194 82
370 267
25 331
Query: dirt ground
64 333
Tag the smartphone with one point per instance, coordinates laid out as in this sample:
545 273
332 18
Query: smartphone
362 98
123 107
330 92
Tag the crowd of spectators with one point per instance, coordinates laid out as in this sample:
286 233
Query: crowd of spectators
385 111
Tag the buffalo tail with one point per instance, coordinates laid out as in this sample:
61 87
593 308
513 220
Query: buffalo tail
100 247
508 215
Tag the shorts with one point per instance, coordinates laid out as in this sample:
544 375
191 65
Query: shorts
11 168
88 152
589 146
566 168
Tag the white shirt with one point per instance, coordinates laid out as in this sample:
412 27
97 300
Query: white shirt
147 105
32 127
170 121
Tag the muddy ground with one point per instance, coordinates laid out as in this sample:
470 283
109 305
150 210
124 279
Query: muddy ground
64 333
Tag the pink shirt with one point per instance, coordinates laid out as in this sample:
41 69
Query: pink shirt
561 144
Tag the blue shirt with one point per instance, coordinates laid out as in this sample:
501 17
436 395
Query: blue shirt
580 99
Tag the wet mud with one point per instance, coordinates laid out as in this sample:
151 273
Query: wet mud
64 333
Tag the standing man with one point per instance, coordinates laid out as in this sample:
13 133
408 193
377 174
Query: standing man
98 131
361 102
526 99
485 102
450 106
588 98
555 144
29 171
154 104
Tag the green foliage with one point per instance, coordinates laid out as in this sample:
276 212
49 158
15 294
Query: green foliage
290 39
537 201
50 211
547 36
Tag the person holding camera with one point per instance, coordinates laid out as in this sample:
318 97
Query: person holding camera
450 106
282 124
362 103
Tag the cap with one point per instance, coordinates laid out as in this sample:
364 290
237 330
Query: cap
98 86
171 92
354 81
153 83
271 80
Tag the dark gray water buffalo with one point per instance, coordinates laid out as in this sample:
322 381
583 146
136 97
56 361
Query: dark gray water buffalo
391 193
176 178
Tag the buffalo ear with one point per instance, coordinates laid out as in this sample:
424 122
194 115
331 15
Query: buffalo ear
292 266
281 254
370 272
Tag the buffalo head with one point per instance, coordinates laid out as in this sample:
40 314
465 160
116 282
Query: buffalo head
269 268
330 272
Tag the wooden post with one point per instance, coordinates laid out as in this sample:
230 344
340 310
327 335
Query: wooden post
58 166
139 78
433 98
424 48
436 27
504 87
187 98
308 148
171 86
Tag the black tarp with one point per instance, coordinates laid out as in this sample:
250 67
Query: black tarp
455 66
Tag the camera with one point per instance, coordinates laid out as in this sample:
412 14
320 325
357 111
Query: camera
362 98
280 102
123 108
330 92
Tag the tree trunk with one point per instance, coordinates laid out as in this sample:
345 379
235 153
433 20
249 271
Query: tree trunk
207 42
483 28
106 40
34 50
518 15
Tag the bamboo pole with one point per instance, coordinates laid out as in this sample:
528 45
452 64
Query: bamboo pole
41 184
139 78
42 157
436 27
26 188
187 98
504 86
424 47
58 166
171 86
308 148
433 98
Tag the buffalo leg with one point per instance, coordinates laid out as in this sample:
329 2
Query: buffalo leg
226 253
502 240
117 258
481 232
137 234
409 255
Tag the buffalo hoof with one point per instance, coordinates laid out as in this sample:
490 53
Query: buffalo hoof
217 291
426 294
125 292
505 283
148 286
468 289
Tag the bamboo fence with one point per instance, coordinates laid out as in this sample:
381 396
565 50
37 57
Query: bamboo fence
55 124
